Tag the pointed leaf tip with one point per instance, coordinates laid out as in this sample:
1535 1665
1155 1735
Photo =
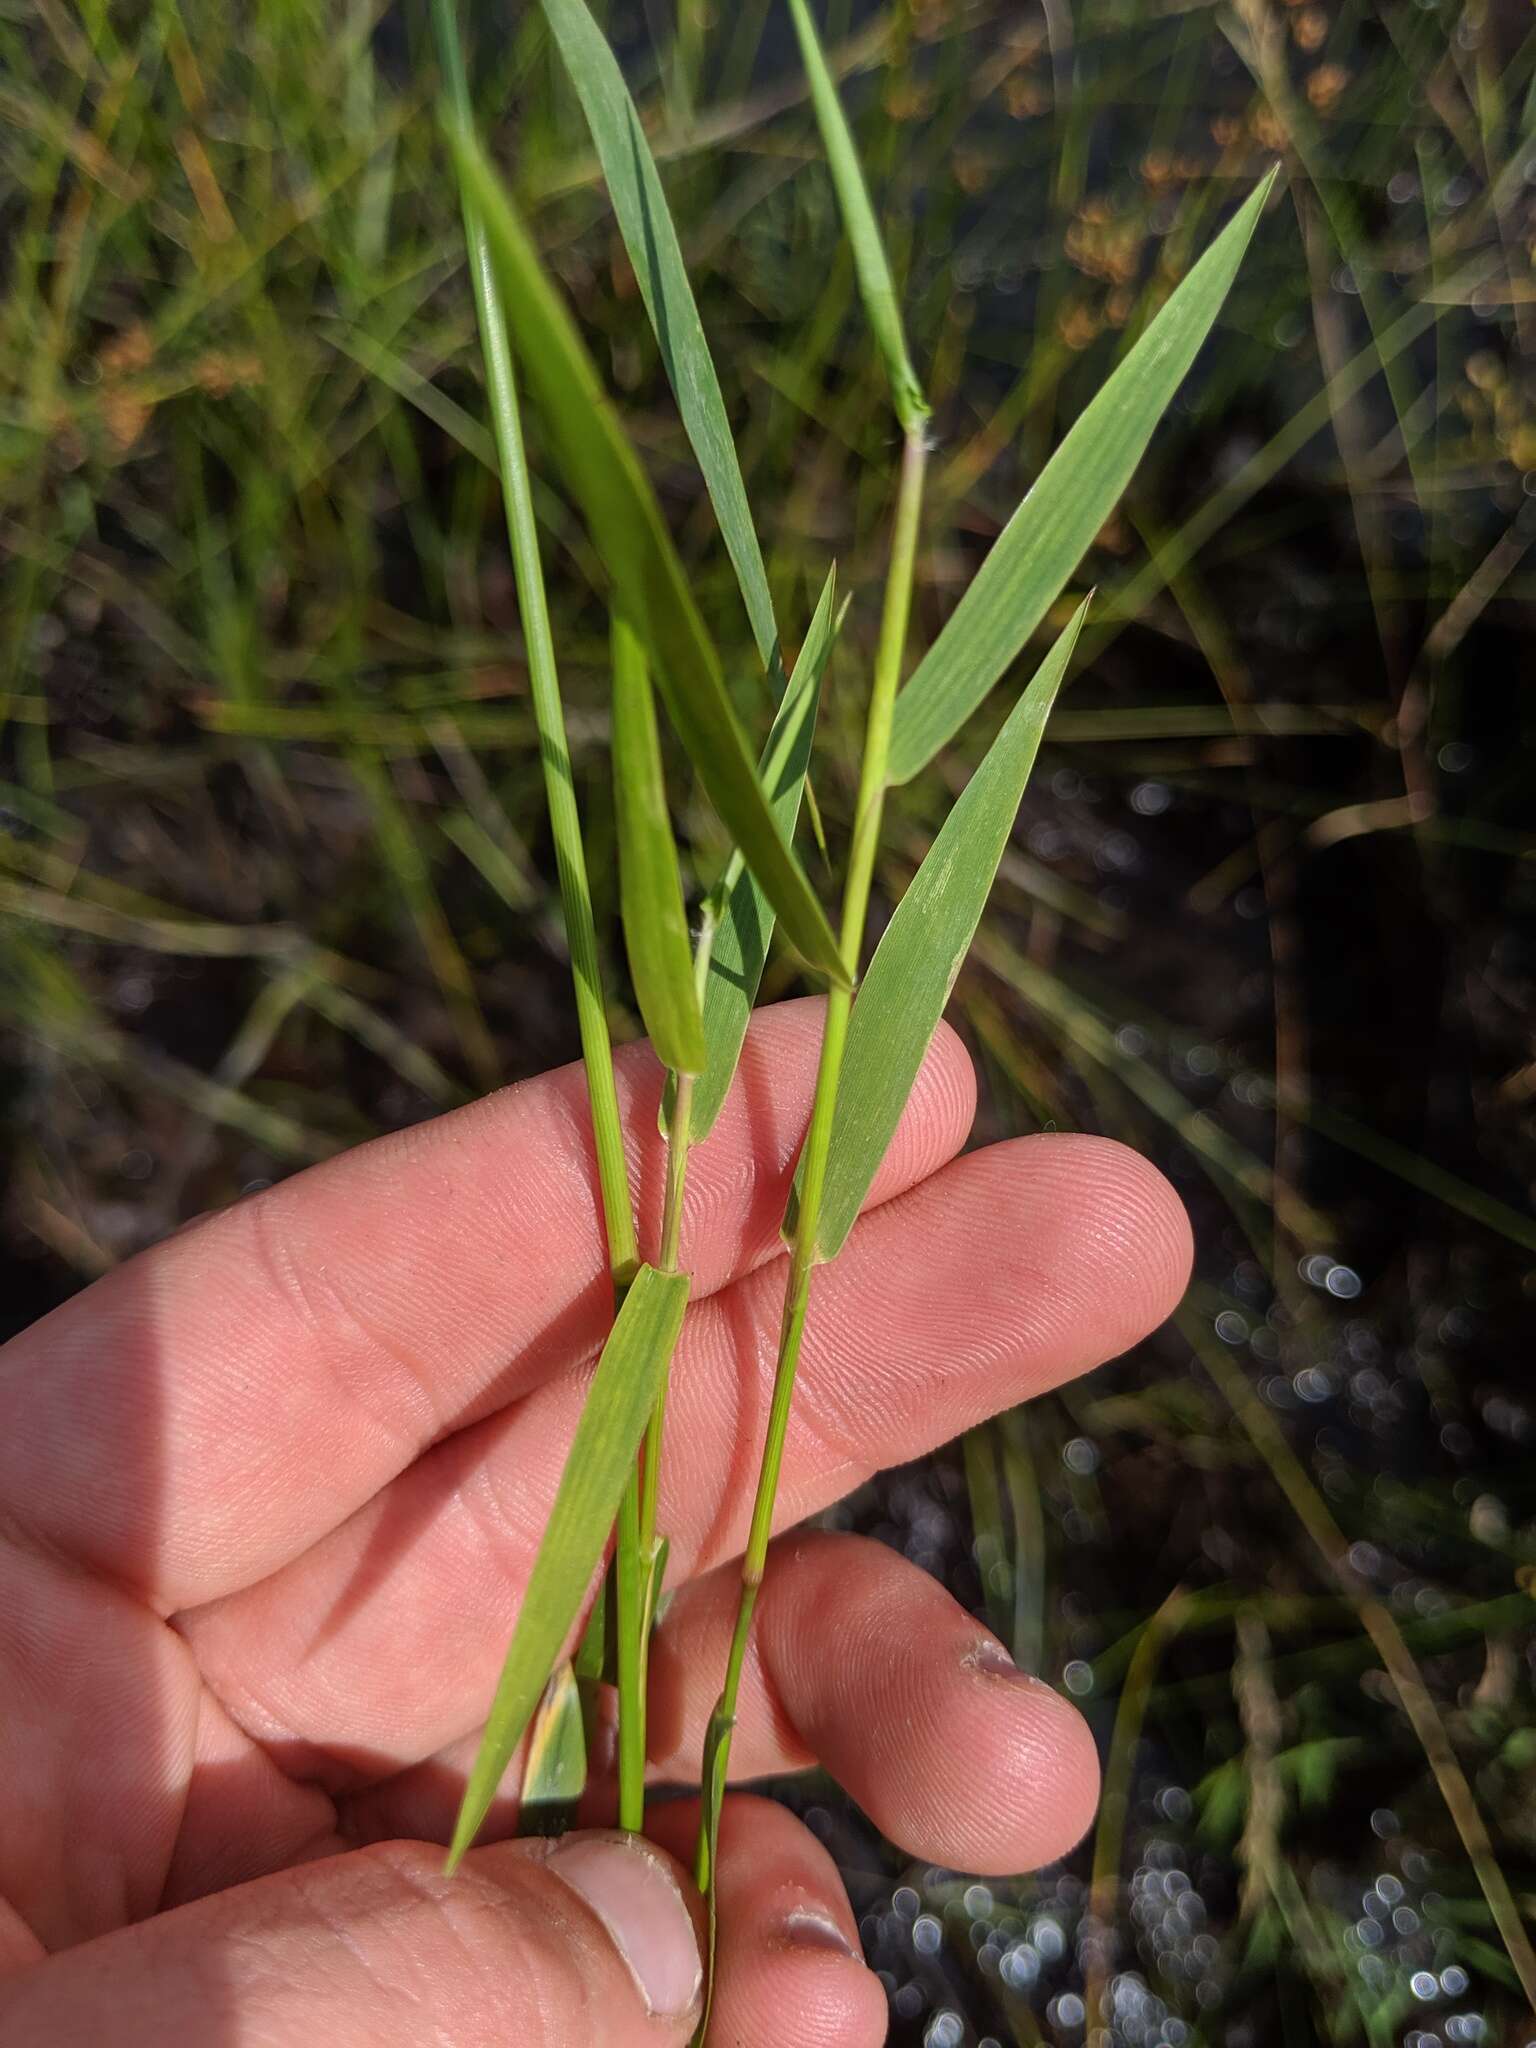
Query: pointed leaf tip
645 222
1055 524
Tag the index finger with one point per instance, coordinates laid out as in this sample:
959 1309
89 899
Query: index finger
209 1410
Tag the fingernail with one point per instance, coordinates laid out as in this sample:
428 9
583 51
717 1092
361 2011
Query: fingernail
632 1892
810 1927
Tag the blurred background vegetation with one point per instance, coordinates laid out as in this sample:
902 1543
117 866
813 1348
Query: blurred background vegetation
274 873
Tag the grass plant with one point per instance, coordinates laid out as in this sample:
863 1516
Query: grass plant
304 828
873 1043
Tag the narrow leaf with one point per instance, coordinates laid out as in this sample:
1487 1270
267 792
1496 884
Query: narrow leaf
555 1774
640 205
869 258
650 887
902 996
1071 499
594 1659
650 584
601 1460
746 918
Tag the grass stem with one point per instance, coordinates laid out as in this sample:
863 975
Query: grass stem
667 1262
629 1569
647 1551
679 1115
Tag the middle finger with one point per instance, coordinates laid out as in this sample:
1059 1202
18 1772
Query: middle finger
861 1663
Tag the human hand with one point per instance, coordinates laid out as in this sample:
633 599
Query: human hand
269 1494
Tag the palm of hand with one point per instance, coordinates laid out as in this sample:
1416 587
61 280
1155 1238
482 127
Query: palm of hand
270 1492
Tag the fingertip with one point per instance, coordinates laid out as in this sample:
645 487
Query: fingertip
1153 1212
1133 1224
1089 1246
956 1755
646 1906
788 1943
1046 1765
1029 1786
838 2001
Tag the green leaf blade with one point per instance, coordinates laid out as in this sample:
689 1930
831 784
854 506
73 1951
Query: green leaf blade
650 887
645 222
903 994
1056 522
650 583
600 1464
555 1773
740 951
876 287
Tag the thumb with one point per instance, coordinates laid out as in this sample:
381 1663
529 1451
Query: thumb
586 1942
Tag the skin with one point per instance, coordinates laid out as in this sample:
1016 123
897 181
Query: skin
270 1491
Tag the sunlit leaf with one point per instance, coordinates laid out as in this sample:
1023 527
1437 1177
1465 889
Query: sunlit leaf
869 258
650 887
1071 499
902 996
746 918
555 1772
645 222
650 585
600 1464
